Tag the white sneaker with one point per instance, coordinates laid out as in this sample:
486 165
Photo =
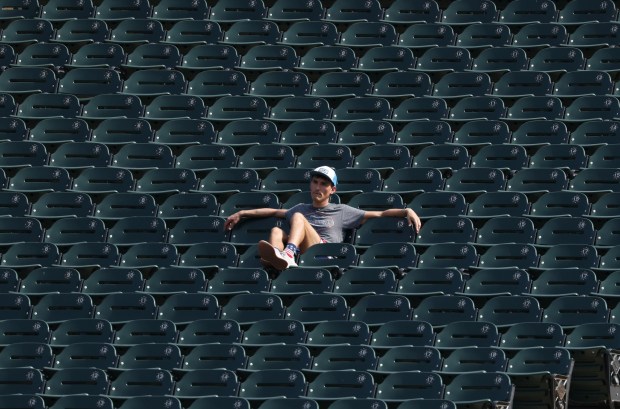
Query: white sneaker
279 259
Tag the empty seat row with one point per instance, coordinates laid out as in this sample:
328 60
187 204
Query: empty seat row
292 108
325 58
459 319
332 256
301 134
359 34
269 156
354 282
86 83
345 11
407 182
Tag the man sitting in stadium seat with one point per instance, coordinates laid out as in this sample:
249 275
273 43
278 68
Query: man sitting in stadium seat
310 224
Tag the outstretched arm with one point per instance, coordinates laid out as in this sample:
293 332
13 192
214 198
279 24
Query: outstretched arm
412 217
233 219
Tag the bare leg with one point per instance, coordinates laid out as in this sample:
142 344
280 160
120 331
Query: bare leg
278 238
302 234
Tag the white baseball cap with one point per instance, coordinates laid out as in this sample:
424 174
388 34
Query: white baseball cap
326 172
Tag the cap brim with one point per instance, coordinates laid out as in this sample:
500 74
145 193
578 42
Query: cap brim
321 175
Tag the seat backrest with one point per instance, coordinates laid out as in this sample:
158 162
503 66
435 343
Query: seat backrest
350 11
402 333
103 180
108 280
506 229
540 35
80 330
168 11
491 204
116 206
431 281
565 281
248 307
542 180
469 11
482 133
472 359
210 255
402 386
571 311
185 308
147 57
26 354
342 255
58 307
478 107
203 331
404 11
211 83
339 332
175 279
445 58
212 356
21 381
207 56
366 280
455 229
462 84
124 307
441 310
274 331
506 310
523 83
31 254
152 355
533 334
383 229
419 358
268 383
594 180
498 281
501 59
67 231
377 309
165 107
87 355
340 384
345 357
427 34
40 179
567 255
594 34
20 229
314 308
137 31
51 279
494 387
440 255
142 382
328 58
137 229
517 255
566 230
476 179
167 180
562 203
369 34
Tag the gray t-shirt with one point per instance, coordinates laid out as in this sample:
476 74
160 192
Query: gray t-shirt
329 221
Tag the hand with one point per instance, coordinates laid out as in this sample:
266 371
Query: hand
414 220
231 221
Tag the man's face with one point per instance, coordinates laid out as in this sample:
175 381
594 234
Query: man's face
321 188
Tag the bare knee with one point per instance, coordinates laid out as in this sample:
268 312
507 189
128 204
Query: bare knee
298 218
277 237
